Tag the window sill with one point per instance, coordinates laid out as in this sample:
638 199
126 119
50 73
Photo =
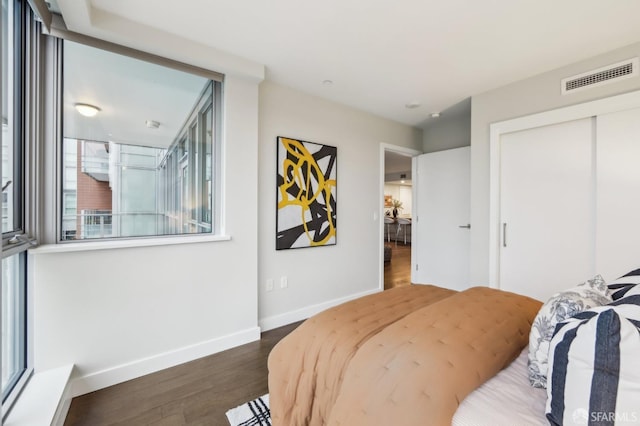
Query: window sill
118 244
44 400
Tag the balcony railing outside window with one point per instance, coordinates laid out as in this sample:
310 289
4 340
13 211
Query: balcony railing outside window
99 224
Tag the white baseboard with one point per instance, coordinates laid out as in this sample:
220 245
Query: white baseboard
121 373
275 321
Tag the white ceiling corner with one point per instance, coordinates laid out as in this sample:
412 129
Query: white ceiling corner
380 55
82 16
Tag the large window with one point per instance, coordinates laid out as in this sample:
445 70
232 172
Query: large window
138 156
14 241
139 148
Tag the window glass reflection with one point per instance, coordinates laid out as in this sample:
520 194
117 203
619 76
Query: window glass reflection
8 64
142 165
13 321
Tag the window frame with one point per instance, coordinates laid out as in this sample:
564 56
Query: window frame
20 379
215 85
18 37
16 241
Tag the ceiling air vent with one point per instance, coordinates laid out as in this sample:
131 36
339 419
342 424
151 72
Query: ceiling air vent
609 74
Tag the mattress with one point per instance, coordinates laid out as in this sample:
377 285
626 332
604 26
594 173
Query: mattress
507 399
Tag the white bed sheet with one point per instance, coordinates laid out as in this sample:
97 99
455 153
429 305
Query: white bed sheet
505 400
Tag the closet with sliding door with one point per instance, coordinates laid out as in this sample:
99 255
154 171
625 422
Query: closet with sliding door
566 196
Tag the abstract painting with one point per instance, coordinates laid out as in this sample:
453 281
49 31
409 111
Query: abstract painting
306 186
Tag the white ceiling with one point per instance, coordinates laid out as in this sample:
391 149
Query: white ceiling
380 54
395 164
129 92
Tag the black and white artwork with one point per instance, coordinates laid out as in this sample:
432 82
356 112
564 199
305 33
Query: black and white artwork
306 187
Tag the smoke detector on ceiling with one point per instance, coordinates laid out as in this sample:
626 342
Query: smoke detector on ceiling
598 77
152 124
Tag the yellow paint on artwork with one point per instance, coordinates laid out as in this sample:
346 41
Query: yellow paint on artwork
303 161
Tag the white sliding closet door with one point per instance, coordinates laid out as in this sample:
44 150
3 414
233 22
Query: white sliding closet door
547 208
618 191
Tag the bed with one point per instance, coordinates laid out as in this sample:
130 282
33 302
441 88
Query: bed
426 355
406 356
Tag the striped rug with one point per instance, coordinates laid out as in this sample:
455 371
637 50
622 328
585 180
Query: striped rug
252 413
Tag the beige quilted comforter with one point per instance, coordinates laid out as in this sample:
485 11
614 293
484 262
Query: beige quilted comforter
406 356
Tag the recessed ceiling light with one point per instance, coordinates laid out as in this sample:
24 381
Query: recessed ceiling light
152 124
413 105
87 110
435 114
327 82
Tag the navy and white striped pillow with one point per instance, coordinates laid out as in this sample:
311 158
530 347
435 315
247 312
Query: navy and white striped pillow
594 373
628 282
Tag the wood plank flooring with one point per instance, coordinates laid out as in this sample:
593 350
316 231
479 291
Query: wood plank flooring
196 393
397 272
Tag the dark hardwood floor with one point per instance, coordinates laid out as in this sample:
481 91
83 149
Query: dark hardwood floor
397 272
196 393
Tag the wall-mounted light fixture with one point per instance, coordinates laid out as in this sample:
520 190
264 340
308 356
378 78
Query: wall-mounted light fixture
87 110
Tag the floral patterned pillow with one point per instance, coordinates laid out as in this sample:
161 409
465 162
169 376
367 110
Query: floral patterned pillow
558 308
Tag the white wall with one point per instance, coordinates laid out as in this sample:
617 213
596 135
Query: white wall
120 313
320 276
451 130
536 94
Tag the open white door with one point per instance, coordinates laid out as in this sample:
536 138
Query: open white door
441 225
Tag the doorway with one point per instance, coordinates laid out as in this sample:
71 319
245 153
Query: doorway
397 206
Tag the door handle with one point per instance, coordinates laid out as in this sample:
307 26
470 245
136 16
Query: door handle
468 226
504 234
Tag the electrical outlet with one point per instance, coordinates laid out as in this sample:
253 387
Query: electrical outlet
269 284
284 283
